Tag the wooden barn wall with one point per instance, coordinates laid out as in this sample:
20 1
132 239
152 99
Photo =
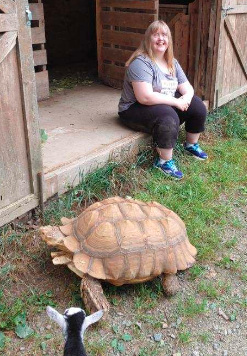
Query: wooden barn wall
176 2
70 31
39 49
204 50
178 20
232 61
193 24
120 29
20 153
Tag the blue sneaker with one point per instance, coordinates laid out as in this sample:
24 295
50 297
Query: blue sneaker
169 168
195 151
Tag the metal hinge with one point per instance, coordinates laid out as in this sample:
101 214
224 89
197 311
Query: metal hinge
29 16
226 9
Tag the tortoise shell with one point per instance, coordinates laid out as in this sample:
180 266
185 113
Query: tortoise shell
127 241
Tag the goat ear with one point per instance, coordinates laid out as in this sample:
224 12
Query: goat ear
91 319
57 317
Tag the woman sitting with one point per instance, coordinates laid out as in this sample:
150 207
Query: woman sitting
157 98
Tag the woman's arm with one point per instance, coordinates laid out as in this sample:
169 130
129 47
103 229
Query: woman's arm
187 91
145 95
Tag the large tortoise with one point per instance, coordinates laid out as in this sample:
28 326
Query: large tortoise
121 241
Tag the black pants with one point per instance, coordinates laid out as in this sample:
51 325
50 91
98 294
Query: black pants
162 121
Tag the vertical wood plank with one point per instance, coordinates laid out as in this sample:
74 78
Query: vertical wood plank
29 96
193 13
216 57
99 30
210 51
14 167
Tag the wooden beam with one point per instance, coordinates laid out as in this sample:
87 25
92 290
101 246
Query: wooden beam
116 54
38 35
40 57
214 79
37 11
236 46
130 4
225 99
42 85
7 43
99 36
8 22
113 71
120 38
8 6
126 19
177 7
237 9
18 208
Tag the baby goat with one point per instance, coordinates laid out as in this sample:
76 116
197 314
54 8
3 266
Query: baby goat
74 323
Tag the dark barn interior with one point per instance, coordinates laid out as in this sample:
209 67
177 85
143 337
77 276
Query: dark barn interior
70 30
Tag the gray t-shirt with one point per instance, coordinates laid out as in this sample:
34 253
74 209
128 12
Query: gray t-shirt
143 69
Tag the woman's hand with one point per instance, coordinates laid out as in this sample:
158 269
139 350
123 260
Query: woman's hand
187 98
182 104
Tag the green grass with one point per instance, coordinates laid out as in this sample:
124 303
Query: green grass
227 263
12 311
209 289
196 271
205 337
190 307
184 337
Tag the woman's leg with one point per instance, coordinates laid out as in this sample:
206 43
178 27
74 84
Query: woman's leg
162 122
165 153
192 137
194 119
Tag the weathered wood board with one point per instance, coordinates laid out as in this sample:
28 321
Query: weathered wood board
231 78
20 153
39 51
120 28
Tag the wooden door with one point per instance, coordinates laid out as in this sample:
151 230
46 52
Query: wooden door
231 75
120 28
178 20
20 152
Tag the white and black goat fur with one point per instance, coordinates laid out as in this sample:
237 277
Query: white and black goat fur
74 323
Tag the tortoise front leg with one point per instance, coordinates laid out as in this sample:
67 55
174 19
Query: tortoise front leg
93 295
170 284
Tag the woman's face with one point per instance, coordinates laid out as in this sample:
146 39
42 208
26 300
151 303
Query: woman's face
159 41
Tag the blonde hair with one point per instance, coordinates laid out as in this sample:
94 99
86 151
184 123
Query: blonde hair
145 46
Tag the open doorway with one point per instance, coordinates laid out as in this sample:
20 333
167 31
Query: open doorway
79 117
71 45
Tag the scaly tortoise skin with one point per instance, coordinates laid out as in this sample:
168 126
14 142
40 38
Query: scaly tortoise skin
121 241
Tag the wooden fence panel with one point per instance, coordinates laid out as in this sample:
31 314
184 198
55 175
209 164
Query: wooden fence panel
120 28
177 18
20 151
231 78
39 51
